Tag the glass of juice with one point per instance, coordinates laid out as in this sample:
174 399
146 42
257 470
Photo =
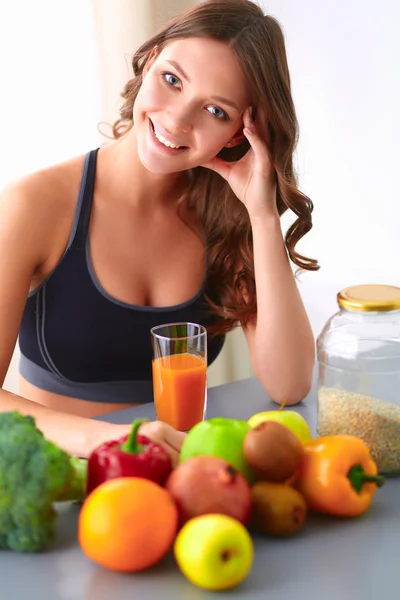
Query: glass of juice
180 373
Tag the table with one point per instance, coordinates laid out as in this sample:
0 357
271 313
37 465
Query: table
329 559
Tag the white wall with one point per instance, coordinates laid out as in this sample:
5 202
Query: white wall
344 59
50 101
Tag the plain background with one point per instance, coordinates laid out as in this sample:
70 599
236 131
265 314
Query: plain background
63 65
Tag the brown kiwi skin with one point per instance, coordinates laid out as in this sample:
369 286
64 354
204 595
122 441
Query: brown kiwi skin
277 509
273 451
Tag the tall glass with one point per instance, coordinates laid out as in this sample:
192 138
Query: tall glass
180 373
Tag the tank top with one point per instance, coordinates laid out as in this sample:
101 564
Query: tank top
77 340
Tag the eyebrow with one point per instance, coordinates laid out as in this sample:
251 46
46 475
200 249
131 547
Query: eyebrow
186 76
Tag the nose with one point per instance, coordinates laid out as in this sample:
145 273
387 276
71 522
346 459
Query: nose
179 120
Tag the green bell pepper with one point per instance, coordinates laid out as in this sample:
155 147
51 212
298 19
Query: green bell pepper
219 437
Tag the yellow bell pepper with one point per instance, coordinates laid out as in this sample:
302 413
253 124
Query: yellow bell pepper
338 475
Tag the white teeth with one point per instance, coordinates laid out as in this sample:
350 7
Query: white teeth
164 141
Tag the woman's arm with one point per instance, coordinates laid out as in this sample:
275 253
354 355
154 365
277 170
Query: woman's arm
79 435
281 340
26 223
29 228
76 435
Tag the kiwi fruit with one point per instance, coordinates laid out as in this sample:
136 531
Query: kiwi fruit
277 509
273 451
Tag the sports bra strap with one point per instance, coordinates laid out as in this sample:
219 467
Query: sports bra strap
84 205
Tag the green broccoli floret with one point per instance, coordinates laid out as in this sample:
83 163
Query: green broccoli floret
34 473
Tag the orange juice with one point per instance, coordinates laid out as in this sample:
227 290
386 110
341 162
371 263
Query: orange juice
179 382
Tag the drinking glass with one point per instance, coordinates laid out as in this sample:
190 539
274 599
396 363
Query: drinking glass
180 373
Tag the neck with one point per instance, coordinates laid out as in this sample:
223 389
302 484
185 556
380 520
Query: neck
122 174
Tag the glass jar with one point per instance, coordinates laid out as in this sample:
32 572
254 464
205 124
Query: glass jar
358 355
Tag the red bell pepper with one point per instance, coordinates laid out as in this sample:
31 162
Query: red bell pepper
132 455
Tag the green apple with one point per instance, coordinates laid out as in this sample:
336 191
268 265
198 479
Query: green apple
292 419
214 551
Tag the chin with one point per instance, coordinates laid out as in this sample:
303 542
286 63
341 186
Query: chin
158 169
160 166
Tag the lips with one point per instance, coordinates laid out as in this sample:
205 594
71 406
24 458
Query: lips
160 145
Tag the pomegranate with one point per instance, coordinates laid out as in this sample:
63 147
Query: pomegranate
209 485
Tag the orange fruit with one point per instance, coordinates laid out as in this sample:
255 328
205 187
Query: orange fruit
127 524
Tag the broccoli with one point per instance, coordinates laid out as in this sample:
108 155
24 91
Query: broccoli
34 473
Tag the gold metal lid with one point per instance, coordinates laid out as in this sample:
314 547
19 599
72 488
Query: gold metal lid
370 297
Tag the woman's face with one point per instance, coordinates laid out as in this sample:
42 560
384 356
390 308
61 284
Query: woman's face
190 105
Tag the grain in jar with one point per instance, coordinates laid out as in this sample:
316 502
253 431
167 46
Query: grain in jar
359 372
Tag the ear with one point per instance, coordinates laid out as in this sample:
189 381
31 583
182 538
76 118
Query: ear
152 56
236 139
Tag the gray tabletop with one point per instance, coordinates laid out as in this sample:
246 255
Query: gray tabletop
329 560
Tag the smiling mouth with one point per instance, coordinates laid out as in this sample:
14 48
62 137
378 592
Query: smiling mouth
164 142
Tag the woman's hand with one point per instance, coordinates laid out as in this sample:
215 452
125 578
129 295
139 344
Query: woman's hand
156 431
166 436
252 178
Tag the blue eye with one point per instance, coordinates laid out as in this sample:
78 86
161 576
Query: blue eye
218 113
171 79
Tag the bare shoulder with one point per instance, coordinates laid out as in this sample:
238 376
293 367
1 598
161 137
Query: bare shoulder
48 191
39 208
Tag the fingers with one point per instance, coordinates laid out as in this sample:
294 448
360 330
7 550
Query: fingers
166 436
251 131
248 117
259 119
174 456
174 438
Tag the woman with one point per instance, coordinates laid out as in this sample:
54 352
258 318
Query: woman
176 219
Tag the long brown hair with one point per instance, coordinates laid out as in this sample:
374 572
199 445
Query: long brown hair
258 42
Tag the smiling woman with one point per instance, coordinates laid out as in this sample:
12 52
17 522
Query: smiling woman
194 114
176 219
